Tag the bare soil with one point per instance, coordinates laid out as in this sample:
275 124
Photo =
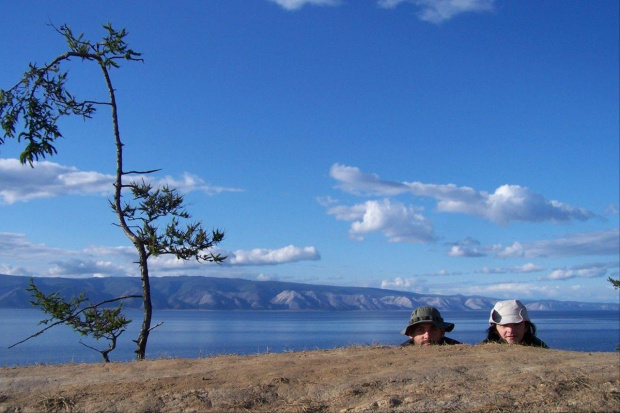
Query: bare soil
483 378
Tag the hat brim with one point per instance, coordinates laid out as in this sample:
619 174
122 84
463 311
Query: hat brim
509 319
497 318
446 326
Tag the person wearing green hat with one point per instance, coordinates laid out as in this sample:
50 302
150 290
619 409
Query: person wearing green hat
426 327
510 323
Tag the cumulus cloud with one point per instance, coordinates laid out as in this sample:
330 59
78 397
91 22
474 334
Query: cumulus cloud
584 243
438 11
261 256
572 245
265 277
12 270
298 4
506 290
416 285
85 268
20 183
593 270
17 246
534 291
353 181
41 260
22 257
466 248
399 223
507 204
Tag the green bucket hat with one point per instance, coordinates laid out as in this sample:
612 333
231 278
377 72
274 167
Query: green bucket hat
427 314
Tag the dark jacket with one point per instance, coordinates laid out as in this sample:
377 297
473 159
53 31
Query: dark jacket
533 341
444 341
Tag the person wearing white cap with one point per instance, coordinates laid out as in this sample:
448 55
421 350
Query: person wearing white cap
510 323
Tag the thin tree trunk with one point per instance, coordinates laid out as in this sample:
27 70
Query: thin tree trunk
148 307
143 254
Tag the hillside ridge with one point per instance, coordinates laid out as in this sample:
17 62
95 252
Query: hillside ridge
212 293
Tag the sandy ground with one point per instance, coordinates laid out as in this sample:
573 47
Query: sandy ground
489 378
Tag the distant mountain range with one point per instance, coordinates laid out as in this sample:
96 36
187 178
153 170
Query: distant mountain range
209 293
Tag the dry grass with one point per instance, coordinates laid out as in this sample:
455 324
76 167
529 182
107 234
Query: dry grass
490 378
56 404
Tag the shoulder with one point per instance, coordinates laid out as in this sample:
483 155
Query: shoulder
490 340
536 342
449 341
408 343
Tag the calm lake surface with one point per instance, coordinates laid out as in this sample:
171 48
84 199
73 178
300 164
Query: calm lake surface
192 334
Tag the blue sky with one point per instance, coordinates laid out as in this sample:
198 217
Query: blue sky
448 147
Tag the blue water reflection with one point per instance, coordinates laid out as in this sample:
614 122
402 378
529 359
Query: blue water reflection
190 334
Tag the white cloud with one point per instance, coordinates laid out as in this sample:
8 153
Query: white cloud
508 203
511 290
21 257
529 267
466 248
18 247
514 250
396 221
260 256
601 292
571 245
516 203
416 285
440 273
526 268
582 271
298 4
585 243
500 290
189 183
46 180
265 277
611 210
390 4
353 181
85 268
11 270
326 201
438 11
129 252
433 11
21 183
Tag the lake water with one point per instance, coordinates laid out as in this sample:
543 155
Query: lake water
192 334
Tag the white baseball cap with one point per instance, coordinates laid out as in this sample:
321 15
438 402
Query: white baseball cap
508 312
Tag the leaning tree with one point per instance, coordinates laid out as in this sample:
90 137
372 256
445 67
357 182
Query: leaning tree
87 319
153 218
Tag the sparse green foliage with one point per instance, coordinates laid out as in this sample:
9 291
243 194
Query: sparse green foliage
152 219
88 320
41 98
154 205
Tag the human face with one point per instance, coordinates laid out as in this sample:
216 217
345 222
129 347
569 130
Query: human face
512 333
425 334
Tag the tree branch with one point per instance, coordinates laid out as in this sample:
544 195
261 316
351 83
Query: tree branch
140 172
73 316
